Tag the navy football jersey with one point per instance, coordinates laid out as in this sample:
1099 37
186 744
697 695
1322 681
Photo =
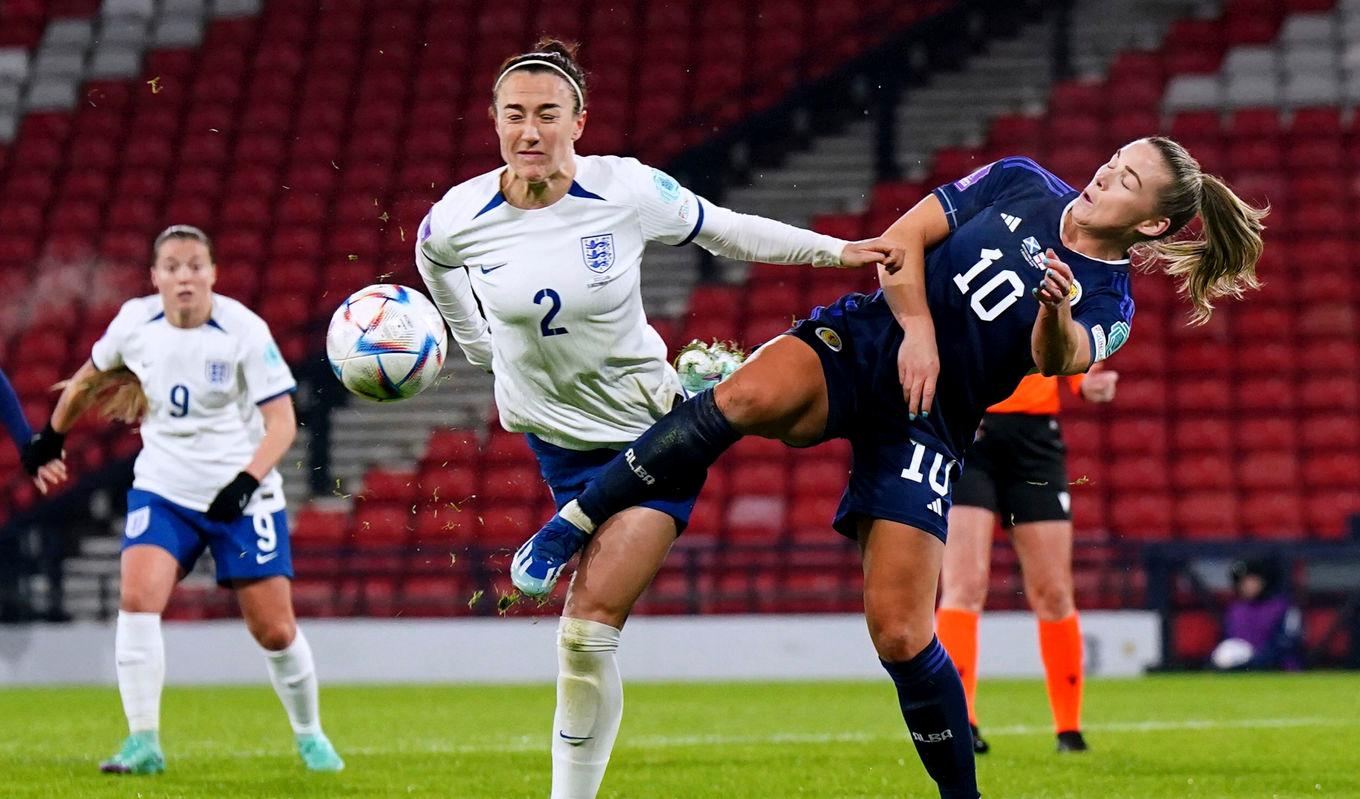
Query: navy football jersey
979 280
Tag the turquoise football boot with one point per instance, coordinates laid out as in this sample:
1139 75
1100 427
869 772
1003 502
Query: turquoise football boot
141 754
318 754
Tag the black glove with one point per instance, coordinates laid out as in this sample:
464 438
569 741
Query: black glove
43 448
231 501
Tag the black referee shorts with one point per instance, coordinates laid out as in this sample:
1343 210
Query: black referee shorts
1017 468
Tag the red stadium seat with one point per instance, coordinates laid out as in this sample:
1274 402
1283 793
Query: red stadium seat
1328 431
513 484
390 486
1332 468
1138 472
1202 434
1266 433
1146 435
382 524
1140 516
1273 514
505 448
1207 515
506 525
1204 471
1194 634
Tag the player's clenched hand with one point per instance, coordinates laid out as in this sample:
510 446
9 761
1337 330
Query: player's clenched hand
1099 384
231 501
41 458
49 474
918 366
1057 282
870 252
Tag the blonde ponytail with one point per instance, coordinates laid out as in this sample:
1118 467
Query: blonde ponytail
118 394
1221 262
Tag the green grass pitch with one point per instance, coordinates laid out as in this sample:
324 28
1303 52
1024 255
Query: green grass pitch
1184 737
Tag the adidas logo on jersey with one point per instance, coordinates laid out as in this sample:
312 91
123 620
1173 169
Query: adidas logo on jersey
937 506
1012 222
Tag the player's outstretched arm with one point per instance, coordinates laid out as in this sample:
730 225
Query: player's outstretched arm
280 428
745 237
918 359
1058 343
42 456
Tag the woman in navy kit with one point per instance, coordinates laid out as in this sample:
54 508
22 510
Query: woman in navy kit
1006 270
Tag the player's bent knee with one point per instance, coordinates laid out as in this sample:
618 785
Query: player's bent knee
142 599
902 642
583 635
275 636
756 408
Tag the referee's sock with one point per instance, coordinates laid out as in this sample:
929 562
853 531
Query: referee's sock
958 633
672 455
1060 647
932 702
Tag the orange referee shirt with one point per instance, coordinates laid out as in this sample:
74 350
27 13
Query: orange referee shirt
1036 394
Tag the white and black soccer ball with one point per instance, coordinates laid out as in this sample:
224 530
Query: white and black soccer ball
386 342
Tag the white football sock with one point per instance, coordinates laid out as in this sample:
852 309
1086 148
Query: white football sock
139 655
294 677
589 707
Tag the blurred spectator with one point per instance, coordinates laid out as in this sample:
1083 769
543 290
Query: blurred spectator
1262 629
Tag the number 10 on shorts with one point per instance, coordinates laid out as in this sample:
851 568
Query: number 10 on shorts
939 469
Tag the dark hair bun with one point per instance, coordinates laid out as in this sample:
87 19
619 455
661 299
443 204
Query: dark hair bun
549 44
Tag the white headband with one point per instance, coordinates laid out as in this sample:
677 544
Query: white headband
580 99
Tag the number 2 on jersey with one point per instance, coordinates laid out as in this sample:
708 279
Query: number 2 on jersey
546 324
1017 289
179 399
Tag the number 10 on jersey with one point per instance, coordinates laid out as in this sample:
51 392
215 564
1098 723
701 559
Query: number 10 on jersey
1006 277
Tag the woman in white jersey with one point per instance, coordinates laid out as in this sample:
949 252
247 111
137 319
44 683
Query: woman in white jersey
214 397
536 267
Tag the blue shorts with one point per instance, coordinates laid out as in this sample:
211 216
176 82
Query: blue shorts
247 549
900 471
567 471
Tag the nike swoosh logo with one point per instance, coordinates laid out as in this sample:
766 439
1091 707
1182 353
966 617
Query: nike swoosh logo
263 559
572 739
486 270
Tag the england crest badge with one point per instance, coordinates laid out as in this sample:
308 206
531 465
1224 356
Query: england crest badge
218 373
598 252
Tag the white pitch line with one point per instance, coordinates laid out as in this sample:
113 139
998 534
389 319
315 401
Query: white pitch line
521 744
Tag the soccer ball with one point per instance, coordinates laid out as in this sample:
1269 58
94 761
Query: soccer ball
702 366
386 342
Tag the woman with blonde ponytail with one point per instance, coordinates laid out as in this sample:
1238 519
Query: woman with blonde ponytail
201 375
980 297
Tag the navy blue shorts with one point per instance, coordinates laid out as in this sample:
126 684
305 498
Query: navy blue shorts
567 471
899 472
247 549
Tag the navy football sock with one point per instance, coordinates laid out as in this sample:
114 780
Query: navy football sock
671 456
933 705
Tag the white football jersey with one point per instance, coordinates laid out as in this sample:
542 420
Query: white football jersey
575 361
203 386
